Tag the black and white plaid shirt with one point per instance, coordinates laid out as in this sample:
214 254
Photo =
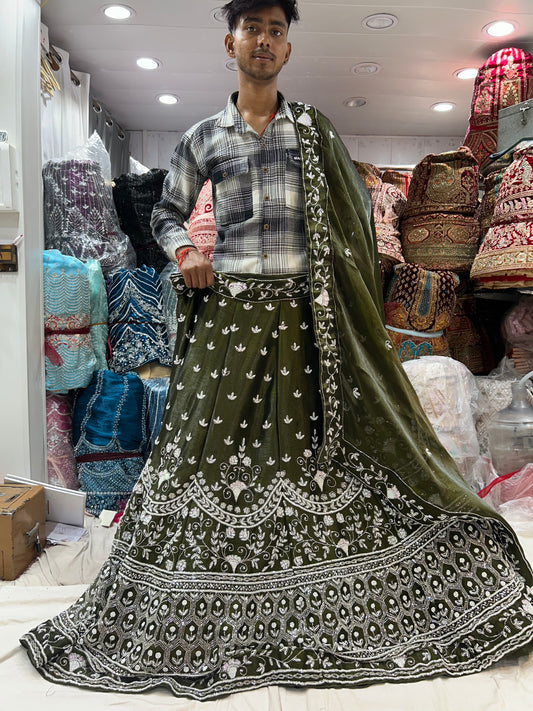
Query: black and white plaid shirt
257 192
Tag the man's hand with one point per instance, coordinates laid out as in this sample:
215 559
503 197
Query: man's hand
197 270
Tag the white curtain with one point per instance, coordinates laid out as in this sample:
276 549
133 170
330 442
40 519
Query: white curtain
65 113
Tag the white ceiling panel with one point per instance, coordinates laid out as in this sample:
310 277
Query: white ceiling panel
417 57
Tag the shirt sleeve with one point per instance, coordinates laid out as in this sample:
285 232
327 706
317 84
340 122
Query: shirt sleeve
181 188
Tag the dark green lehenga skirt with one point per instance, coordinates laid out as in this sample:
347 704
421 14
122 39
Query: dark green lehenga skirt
260 547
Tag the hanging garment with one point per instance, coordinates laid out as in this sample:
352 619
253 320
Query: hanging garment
109 434
298 521
69 354
135 197
137 331
80 219
99 313
59 448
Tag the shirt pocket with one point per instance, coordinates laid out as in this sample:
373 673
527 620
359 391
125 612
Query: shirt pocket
233 191
293 180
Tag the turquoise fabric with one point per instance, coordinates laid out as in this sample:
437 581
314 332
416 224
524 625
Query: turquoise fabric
69 354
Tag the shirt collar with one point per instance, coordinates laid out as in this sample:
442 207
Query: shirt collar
231 117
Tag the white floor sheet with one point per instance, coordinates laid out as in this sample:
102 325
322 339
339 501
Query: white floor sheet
62 573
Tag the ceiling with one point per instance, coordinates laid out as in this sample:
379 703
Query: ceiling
417 58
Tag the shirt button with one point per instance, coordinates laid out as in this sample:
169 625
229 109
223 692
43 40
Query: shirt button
266 226
267 197
265 169
225 174
263 144
265 256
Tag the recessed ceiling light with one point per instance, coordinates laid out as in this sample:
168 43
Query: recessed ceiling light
354 102
168 99
365 68
443 106
118 12
502 28
148 63
380 21
467 73
231 64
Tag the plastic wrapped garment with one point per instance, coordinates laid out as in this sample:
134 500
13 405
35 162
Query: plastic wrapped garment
60 450
137 331
156 390
99 314
517 330
80 219
448 394
69 354
109 434
135 197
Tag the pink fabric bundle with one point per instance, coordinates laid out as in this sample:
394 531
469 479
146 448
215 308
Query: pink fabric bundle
388 203
61 462
505 79
202 228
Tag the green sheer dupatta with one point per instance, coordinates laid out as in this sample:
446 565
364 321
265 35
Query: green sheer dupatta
371 413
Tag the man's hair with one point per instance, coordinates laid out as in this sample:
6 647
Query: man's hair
235 8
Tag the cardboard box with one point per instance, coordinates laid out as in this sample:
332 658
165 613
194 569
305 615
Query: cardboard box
22 527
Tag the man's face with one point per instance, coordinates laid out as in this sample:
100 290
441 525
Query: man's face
259 43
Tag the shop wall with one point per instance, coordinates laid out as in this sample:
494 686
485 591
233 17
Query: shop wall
154 148
22 408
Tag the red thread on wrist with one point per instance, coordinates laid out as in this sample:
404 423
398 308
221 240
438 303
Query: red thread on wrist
182 254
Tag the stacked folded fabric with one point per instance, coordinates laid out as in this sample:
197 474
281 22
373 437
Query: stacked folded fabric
135 197
419 306
109 434
505 259
137 330
505 79
59 448
439 228
69 352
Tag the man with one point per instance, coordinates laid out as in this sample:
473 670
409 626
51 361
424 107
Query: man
297 522
234 148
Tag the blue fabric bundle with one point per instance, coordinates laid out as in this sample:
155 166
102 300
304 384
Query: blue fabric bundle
156 390
109 434
137 330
